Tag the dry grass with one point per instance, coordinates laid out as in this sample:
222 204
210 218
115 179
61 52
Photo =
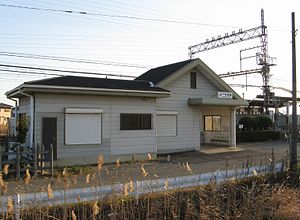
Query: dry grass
251 198
271 197
287 202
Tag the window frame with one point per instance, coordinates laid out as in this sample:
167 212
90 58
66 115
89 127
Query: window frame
213 129
167 113
193 80
68 116
135 121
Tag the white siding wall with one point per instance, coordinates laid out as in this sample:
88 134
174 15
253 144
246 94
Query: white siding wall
166 125
24 105
114 141
132 141
189 118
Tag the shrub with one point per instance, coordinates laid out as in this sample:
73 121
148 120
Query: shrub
256 136
263 122
247 122
257 122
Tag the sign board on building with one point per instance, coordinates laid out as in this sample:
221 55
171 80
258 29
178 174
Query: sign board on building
225 95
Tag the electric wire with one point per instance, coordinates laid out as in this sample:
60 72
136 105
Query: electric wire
74 60
112 15
61 71
70 68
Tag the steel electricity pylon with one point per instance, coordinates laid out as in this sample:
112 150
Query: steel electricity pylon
262 57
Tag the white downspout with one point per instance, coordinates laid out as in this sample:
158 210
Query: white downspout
31 113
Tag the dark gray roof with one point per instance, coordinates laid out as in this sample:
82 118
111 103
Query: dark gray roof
3 105
89 82
160 73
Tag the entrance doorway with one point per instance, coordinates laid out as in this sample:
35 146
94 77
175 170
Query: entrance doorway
49 135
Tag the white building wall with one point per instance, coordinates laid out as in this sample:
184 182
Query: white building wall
114 141
132 141
24 105
189 118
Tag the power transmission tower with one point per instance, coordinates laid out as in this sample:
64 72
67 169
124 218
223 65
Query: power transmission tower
262 57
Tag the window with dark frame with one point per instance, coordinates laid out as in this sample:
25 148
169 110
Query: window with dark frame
193 77
135 121
212 123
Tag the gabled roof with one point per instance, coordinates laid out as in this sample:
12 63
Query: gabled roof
91 82
89 85
163 75
3 105
158 74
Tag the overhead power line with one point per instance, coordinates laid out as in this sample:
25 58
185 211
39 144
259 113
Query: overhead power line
29 72
73 60
113 15
32 69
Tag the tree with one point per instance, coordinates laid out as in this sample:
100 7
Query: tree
22 128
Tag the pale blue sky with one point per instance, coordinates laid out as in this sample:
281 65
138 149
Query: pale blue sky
141 42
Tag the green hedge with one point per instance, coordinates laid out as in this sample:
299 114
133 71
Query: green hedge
256 136
259 122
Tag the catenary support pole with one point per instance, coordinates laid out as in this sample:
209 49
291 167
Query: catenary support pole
293 163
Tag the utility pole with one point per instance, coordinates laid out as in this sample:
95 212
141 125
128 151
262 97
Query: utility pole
262 57
293 150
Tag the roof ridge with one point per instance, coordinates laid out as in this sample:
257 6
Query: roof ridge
155 75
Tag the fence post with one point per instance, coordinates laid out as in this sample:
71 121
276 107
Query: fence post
35 159
18 164
51 160
38 156
17 207
42 155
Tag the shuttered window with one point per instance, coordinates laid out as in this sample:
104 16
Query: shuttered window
135 121
83 126
166 123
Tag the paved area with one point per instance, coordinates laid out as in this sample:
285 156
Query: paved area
211 158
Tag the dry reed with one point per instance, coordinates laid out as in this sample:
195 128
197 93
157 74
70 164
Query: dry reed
5 169
144 172
188 168
73 215
118 163
95 208
125 189
3 185
166 185
27 177
10 205
87 178
49 191
100 161
131 186
251 198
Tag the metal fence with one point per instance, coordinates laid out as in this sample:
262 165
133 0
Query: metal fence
37 160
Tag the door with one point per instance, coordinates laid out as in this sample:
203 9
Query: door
49 135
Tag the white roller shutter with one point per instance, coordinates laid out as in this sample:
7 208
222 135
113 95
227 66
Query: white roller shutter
166 124
83 126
